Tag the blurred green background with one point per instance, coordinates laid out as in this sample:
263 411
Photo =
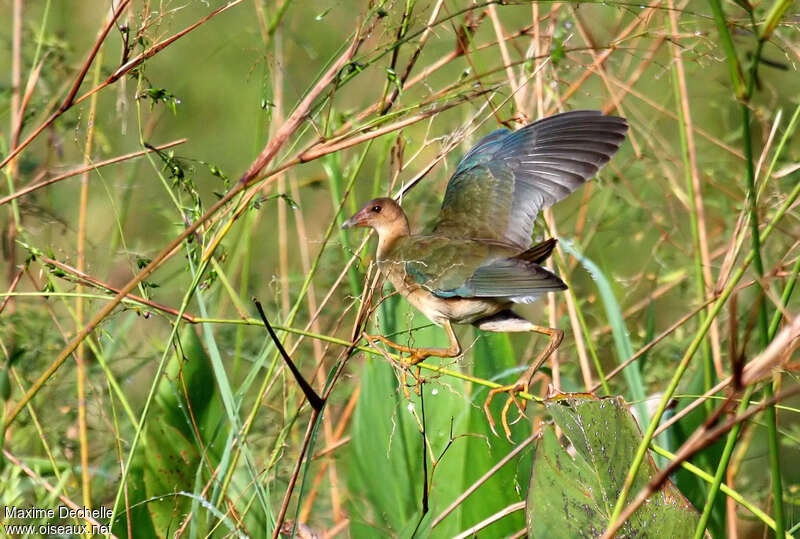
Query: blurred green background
200 465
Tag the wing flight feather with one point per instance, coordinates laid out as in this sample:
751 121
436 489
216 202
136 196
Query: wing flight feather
507 178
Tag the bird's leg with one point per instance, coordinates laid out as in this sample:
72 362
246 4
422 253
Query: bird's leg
524 381
507 321
417 355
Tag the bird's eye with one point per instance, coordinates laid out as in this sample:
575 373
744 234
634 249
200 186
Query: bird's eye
376 209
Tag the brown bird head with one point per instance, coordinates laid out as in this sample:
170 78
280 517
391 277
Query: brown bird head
384 215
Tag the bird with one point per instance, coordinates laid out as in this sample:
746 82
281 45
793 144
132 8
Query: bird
477 260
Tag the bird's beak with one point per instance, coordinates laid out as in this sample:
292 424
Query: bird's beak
359 219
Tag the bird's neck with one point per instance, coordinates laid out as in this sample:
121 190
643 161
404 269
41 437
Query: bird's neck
389 235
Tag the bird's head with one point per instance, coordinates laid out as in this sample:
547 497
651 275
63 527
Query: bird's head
382 214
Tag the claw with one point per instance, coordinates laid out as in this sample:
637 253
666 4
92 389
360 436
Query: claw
404 384
372 338
418 381
512 391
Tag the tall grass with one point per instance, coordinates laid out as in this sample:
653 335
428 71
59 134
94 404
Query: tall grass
164 164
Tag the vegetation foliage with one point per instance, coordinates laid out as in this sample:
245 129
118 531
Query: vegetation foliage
163 163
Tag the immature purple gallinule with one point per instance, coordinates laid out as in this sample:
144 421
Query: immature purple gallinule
477 261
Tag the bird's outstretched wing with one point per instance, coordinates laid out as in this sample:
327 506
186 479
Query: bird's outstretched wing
503 182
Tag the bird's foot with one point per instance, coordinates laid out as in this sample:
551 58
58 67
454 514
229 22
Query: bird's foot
415 355
417 385
512 391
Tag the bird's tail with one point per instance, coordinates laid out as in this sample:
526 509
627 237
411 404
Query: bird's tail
539 252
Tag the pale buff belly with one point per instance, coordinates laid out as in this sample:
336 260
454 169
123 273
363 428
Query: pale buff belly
457 310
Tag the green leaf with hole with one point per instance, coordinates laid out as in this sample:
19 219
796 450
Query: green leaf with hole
574 485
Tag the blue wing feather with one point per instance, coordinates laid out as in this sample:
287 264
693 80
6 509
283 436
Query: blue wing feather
466 268
503 182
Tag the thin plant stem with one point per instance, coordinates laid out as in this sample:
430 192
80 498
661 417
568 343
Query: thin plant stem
702 260
250 177
80 353
734 433
16 109
744 94
269 151
727 450
162 364
672 386
37 479
69 100
787 294
734 69
86 168
697 442
732 494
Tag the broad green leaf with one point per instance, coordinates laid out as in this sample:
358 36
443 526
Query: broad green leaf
170 468
385 468
171 455
385 462
573 490
493 356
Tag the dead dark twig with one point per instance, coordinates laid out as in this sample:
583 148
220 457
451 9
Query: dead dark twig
361 319
312 422
314 400
425 501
